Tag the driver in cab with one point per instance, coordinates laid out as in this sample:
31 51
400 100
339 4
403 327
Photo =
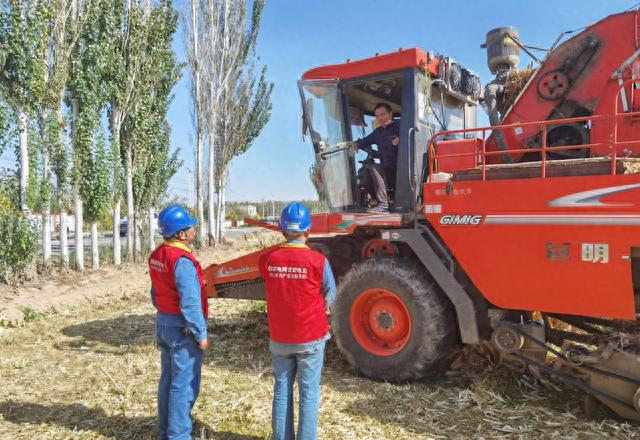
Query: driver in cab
386 137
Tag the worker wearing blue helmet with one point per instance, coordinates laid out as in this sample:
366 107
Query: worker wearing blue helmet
299 288
179 296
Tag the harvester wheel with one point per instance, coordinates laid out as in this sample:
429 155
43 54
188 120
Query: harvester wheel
392 321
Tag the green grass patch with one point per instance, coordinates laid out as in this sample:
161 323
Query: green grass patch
30 314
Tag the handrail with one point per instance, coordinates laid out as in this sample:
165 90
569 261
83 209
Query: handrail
612 139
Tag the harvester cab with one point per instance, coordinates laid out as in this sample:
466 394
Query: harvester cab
426 94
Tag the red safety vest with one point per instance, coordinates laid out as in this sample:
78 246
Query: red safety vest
293 275
162 264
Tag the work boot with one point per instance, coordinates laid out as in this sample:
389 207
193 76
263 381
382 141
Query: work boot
382 208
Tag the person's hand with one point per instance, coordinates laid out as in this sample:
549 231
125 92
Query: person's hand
354 147
395 140
204 344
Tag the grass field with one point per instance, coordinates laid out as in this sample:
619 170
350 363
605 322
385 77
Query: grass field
90 372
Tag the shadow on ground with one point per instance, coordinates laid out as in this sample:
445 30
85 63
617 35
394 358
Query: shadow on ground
130 330
78 417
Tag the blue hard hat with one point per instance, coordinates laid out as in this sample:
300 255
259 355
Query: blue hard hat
295 217
174 218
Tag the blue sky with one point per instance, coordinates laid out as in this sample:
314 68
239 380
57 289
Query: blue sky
298 35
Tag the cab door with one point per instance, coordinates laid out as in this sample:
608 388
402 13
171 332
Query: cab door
324 117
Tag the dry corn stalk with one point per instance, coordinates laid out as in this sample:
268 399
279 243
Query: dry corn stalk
631 167
516 80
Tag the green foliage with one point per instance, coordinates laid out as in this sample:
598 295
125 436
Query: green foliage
19 244
37 188
9 189
7 131
116 171
30 314
247 105
91 85
259 111
60 164
151 179
146 129
96 190
23 38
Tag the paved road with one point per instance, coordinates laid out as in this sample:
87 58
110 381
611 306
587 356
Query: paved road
106 239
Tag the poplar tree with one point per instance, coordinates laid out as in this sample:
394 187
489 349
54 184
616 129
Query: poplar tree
127 64
227 69
146 130
90 91
246 110
23 39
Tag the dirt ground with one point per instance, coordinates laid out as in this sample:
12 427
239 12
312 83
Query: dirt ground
83 365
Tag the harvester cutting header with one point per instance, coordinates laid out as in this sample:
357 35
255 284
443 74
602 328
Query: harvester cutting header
540 212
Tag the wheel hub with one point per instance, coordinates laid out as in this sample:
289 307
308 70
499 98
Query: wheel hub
380 322
507 340
385 321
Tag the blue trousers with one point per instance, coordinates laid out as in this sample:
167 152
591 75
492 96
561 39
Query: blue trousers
306 363
181 359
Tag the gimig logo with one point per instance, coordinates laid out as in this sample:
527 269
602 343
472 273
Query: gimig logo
471 219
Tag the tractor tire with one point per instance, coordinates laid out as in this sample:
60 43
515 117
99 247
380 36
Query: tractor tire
392 321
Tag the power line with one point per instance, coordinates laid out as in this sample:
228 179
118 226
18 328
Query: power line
632 7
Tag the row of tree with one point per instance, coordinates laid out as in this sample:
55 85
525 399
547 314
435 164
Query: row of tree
230 96
84 91
87 84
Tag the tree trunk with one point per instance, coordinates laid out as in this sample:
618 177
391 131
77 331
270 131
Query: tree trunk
137 236
192 34
199 193
130 213
46 234
46 214
79 236
218 213
213 241
223 212
64 243
95 251
116 124
117 259
152 230
46 208
23 122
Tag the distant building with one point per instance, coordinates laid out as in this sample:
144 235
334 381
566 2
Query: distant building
36 217
248 210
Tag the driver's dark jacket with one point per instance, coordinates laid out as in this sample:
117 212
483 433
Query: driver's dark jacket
381 137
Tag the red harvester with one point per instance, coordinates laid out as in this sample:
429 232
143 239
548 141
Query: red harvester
539 212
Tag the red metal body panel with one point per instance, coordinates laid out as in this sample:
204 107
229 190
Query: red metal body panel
240 269
407 58
594 88
347 223
325 223
452 148
526 252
